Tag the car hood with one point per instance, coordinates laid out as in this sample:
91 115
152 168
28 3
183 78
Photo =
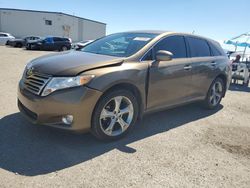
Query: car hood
71 63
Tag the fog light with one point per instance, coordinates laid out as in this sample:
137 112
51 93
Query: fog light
68 119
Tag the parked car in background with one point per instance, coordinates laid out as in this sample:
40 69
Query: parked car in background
50 44
5 37
110 83
80 45
22 42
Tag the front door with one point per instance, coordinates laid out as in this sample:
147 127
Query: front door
169 81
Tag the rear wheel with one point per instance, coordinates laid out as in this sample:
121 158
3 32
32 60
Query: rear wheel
64 48
215 94
114 115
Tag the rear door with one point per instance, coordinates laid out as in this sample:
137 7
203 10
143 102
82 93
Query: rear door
203 64
169 80
57 43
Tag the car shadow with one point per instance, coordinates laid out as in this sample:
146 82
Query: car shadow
32 150
237 87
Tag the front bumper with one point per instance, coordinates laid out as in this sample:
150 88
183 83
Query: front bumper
49 110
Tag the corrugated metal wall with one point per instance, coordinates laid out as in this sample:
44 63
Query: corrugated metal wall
22 23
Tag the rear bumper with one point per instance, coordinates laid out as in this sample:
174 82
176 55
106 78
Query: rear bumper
49 110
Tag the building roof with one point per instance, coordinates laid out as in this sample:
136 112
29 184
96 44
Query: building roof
61 13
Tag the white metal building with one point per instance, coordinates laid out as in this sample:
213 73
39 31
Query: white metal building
21 23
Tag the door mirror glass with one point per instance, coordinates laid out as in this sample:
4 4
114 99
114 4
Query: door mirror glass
163 55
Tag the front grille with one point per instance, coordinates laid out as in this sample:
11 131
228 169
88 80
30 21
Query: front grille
35 82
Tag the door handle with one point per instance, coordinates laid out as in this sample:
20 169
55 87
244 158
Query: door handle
187 67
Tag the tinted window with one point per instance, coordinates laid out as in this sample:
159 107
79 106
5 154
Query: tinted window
57 39
198 47
65 39
48 40
148 56
174 44
214 50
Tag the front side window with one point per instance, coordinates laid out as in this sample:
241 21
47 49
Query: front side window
49 40
198 47
3 35
174 44
119 45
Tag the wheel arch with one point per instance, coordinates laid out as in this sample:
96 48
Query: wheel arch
224 79
132 88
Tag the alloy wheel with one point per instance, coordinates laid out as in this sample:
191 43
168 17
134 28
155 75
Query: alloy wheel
216 93
64 48
116 116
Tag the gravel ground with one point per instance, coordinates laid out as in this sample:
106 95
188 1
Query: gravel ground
183 147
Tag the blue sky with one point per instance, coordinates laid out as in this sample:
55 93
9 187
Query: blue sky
217 19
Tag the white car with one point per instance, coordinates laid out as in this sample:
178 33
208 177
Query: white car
240 72
4 37
81 44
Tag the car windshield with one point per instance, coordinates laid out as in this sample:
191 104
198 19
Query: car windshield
119 45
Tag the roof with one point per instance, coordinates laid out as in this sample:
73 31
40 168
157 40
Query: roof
61 13
147 31
5 33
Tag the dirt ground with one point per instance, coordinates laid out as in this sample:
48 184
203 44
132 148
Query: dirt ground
183 147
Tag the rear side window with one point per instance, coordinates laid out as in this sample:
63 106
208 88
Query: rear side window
174 44
214 50
198 47
57 39
65 39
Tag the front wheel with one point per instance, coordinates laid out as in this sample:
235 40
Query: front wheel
214 94
114 115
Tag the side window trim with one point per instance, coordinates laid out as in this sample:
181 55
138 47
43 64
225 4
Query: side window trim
211 52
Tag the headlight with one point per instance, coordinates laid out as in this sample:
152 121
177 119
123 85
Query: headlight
58 83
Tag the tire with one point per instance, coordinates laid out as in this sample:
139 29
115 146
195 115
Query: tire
246 84
106 118
28 47
19 45
214 94
64 48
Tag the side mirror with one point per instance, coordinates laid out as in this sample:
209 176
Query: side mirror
163 55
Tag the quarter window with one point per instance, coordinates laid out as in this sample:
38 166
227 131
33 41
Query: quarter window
198 47
174 44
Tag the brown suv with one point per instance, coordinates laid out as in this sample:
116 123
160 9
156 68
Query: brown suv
113 81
